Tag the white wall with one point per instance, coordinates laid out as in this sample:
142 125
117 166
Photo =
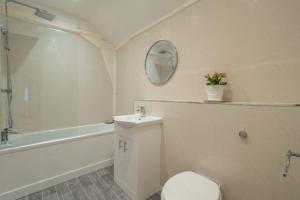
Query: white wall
204 138
257 44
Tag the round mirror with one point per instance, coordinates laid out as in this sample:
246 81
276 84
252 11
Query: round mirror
161 62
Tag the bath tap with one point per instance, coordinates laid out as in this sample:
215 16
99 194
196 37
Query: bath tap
4 136
289 155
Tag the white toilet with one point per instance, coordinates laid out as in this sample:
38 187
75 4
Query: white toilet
190 186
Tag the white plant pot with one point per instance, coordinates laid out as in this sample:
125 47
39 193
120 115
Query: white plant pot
215 92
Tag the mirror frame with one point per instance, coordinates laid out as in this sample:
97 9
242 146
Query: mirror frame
145 68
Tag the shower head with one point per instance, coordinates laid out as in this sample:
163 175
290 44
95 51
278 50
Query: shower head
44 14
38 12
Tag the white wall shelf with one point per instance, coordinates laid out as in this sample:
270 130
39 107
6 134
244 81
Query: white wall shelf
231 103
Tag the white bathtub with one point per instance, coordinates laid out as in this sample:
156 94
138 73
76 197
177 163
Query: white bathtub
31 140
34 161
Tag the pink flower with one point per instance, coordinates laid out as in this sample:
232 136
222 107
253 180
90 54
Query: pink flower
223 75
207 75
215 75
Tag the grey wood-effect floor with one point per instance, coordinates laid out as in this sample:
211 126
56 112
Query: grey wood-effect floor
98 185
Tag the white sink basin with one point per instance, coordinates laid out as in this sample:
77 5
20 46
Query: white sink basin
136 120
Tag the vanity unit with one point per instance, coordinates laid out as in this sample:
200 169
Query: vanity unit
137 155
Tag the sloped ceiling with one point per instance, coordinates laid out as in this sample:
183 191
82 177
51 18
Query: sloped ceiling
115 19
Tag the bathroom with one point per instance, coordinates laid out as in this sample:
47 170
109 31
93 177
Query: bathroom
150 100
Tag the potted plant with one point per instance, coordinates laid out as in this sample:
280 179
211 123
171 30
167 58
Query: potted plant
215 86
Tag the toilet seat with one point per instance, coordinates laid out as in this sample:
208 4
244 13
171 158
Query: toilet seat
190 186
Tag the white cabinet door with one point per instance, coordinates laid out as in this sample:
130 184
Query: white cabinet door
118 159
130 168
126 164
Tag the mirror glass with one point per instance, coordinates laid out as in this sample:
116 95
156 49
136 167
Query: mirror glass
161 62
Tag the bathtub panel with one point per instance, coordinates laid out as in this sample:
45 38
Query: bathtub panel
29 170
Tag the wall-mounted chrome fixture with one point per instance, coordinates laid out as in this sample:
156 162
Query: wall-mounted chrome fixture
44 14
289 155
243 134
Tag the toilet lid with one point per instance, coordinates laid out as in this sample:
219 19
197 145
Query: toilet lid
190 186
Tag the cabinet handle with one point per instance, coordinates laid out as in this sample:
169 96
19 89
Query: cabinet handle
125 146
121 144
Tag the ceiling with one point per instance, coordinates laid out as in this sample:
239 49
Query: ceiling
115 19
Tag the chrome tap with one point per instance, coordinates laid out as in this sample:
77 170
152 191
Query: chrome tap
141 110
289 155
4 136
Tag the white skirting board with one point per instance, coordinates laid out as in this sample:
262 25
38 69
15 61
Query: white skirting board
48 182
